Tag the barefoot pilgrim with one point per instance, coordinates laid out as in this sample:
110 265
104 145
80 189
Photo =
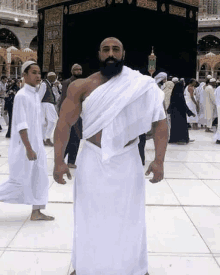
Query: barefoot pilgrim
28 181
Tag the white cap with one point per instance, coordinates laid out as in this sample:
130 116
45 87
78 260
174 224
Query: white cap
26 64
209 76
159 77
175 79
51 73
182 79
212 80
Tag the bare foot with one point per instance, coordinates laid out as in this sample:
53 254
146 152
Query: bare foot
38 216
71 165
49 142
208 130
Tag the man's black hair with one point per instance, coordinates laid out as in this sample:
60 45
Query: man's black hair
3 77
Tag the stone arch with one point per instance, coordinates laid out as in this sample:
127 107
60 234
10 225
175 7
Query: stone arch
2 66
209 43
205 69
15 68
34 44
8 38
24 35
202 35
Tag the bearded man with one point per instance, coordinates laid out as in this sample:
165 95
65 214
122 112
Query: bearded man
117 104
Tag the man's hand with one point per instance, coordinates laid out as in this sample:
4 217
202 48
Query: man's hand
31 154
59 171
157 169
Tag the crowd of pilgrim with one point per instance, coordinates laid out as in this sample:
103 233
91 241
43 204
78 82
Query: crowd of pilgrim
191 105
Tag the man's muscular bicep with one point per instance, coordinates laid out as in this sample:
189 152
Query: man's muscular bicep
72 105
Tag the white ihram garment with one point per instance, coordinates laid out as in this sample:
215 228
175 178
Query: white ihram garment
109 191
28 181
217 100
49 114
191 105
209 105
200 99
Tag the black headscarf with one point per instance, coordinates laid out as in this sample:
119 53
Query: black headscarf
177 100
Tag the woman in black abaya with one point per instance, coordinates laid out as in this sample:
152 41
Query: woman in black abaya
178 109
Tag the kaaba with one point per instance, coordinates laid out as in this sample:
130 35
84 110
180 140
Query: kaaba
71 32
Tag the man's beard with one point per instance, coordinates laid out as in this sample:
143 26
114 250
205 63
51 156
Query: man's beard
77 76
111 69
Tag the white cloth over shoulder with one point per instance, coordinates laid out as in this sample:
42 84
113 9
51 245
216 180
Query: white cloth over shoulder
28 181
191 105
123 108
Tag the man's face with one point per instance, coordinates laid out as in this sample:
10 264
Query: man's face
77 71
52 78
33 77
111 57
213 84
4 80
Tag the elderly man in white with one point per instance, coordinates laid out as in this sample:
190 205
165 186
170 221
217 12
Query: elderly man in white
48 103
209 104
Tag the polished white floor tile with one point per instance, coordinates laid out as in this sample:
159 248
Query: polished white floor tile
217 165
178 265
174 170
181 156
4 151
204 170
53 235
4 168
12 218
1 252
8 231
3 161
14 212
61 193
193 192
214 185
170 230
209 156
34 263
207 221
218 260
159 193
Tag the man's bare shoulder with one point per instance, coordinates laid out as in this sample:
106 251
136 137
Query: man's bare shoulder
84 86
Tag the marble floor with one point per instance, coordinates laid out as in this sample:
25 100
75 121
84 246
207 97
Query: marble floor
182 214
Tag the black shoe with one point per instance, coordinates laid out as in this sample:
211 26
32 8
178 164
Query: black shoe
217 141
0 128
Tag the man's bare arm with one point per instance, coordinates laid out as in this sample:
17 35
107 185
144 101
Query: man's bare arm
160 137
69 114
